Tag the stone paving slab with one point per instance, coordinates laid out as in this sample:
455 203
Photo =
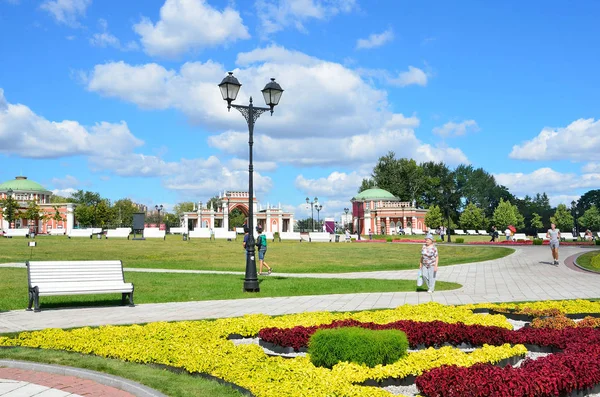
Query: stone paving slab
523 276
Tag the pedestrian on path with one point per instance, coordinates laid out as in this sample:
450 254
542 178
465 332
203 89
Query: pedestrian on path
507 233
429 262
347 240
261 244
494 234
553 235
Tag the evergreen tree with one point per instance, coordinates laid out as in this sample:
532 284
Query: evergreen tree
434 218
563 219
591 219
473 218
536 222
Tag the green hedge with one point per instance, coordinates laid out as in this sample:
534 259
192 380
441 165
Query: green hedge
459 240
538 241
328 347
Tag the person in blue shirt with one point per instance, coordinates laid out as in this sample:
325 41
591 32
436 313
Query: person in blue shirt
261 244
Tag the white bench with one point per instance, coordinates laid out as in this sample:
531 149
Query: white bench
178 230
23 232
81 233
200 232
55 278
542 236
225 234
293 236
459 232
418 231
520 237
482 232
568 237
472 233
154 232
120 232
239 230
57 232
319 237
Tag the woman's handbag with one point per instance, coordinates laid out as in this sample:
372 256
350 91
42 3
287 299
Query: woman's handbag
420 278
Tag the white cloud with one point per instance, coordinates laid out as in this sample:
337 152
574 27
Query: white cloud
414 76
591 168
546 180
68 181
336 184
275 15
398 120
66 11
186 25
375 40
28 135
68 192
456 129
106 39
565 199
579 140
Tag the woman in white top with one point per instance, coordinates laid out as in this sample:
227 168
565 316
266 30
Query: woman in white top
553 235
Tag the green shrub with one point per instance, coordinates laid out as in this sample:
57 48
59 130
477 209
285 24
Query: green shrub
276 236
595 262
538 241
328 347
598 241
389 239
459 240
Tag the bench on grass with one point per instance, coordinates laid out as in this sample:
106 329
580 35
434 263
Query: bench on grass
223 234
200 232
154 232
81 233
58 278
568 237
459 232
178 230
24 232
483 232
57 232
120 232
472 233
320 237
418 231
239 230
520 237
542 236
293 236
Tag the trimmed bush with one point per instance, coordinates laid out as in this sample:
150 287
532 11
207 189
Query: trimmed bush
276 236
389 239
459 240
328 347
538 241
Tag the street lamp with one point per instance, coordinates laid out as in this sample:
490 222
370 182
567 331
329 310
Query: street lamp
158 208
447 195
576 223
312 212
230 86
318 208
346 218
9 193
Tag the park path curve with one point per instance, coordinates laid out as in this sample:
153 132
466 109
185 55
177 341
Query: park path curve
524 275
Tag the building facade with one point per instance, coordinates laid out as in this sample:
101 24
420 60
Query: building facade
380 212
271 218
25 191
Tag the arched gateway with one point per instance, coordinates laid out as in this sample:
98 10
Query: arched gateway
271 218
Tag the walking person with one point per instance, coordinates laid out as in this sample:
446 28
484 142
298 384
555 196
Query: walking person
507 233
494 234
261 243
429 262
442 232
553 235
347 240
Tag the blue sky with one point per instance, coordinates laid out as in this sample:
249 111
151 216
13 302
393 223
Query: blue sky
122 98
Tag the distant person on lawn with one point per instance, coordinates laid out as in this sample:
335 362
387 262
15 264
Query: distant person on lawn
553 235
261 244
494 234
429 262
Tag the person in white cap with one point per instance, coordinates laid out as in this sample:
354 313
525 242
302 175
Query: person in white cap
429 262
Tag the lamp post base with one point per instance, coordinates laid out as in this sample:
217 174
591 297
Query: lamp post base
250 280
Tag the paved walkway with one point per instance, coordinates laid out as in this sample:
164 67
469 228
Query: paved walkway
525 275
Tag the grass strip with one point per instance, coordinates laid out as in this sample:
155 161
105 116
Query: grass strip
586 262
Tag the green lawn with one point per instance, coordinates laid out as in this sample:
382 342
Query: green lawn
169 383
585 261
177 287
293 257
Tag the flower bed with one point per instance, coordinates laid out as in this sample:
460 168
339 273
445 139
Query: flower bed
203 347
406 240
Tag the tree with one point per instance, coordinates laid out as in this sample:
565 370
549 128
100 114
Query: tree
180 208
504 215
434 218
54 199
590 198
10 209
104 214
366 184
236 218
84 215
123 211
57 215
562 218
591 219
536 222
473 218
32 213
215 202
304 224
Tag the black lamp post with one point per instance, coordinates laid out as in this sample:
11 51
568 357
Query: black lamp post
447 194
230 86
576 223
9 193
346 218
158 208
318 208
312 212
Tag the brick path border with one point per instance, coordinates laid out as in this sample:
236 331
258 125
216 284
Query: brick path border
74 380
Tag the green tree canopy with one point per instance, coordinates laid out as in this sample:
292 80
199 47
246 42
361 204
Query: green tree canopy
591 219
536 222
33 211
10 209
507 214
123 211
434 218
562 218
473 218
590 198
236 218
180 208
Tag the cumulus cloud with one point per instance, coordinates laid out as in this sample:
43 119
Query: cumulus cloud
275 15
66 12
106 39
375 40
28 135
591 168
336 184
579 140
456 129
68 192
414 76
546 180
186 25
68 181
